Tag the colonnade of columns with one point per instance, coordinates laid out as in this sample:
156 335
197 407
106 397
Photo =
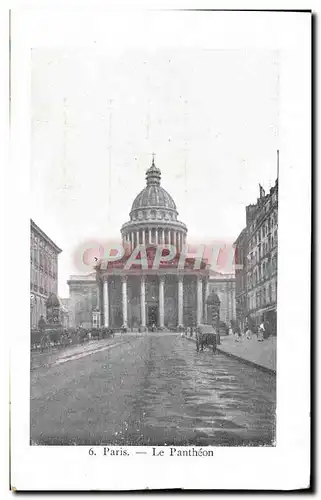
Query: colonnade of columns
155 236
161 301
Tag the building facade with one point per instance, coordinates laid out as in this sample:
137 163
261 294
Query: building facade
224 287
64 312
43 272
133 297
83 300
241 255
256 285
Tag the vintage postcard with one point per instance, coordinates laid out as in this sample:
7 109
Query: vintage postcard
164 160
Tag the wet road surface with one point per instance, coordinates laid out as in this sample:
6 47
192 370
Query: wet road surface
153 389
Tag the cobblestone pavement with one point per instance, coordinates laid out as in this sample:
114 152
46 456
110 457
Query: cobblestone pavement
153 389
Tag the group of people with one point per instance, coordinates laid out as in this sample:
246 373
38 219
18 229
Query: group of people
249 332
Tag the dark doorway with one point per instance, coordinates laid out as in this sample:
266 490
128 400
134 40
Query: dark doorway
152 316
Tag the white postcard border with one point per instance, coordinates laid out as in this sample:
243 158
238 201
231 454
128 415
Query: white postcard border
287 465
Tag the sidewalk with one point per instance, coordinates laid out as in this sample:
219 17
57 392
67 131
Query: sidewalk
47 358
260 354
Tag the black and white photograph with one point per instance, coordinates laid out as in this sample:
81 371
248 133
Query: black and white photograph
158 172
170 337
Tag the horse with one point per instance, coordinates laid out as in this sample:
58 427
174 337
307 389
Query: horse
206 336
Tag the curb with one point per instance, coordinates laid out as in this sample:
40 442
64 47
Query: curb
243 360
248 362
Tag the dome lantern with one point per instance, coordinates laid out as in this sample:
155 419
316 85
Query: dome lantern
153 175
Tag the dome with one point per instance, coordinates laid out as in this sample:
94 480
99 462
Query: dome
153 216
153 195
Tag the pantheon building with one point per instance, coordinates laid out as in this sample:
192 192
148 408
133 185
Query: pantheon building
134 297
165 297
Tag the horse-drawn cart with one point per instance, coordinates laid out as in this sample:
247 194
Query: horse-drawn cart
206 335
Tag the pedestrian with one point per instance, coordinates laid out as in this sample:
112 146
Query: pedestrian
248 331
261 332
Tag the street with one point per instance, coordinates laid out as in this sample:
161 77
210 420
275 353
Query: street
151 389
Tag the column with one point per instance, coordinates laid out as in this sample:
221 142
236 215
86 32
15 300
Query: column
98 297
124 295
131 241
137 238
205 304
163 236
156 236
175 240
106 303
149 236
142 303
180 301
143 235
199 296
161 301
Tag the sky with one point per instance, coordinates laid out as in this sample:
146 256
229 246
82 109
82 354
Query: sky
210 117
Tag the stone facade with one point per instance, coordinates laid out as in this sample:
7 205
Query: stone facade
43 272
260 243
137 298
224 287
83 300
241 299
166 300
